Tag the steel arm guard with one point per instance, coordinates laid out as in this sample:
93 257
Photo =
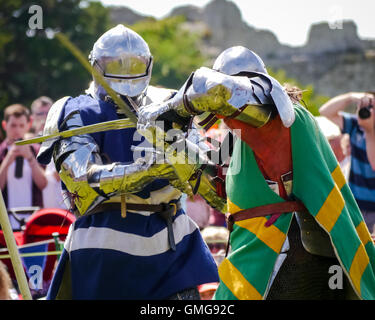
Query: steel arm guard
89 181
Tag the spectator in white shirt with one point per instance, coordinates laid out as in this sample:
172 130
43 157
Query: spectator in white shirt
22 178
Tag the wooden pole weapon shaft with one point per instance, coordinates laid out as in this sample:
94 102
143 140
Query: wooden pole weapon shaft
13 251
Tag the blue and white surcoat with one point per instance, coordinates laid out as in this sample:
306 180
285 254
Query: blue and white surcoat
106 256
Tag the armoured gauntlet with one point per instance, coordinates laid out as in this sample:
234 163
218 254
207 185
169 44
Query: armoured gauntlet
211 91
119 178
252 98
188 153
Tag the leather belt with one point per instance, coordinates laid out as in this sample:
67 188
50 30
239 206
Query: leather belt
110 206
261 211
165 210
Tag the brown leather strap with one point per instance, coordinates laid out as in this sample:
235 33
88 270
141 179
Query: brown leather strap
134 207
233 115
188 106
261 211
206 120
197 175
210 124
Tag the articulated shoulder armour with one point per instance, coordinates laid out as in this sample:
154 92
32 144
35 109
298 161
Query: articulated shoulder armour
210 91
216 92
73 157
51 126
250 92
239 60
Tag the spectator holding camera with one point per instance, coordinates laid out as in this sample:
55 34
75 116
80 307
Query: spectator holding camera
39 112
361 129
21 176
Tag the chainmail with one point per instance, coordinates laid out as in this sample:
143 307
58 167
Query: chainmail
304 276
188 294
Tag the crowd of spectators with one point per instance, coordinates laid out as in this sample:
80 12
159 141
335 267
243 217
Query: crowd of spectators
26 185
19 169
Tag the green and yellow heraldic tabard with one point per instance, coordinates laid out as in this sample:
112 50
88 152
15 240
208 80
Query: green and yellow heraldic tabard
319 183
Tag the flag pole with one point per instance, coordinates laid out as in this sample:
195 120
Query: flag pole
13 251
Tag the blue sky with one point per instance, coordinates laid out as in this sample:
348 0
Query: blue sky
288 20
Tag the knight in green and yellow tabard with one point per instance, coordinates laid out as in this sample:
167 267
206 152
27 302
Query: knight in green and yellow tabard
291 213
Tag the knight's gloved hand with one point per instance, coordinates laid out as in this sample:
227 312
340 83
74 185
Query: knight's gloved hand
160 117
147 115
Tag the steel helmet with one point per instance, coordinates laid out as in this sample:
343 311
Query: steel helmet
235 60
238 59
123 58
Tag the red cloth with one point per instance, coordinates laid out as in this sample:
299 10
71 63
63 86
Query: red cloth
271 145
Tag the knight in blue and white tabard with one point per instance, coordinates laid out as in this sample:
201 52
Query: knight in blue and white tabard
131 240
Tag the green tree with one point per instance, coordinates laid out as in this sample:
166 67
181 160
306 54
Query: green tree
175 50
32 62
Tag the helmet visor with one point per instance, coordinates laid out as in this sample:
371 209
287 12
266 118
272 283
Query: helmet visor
128 77
129 87
130 67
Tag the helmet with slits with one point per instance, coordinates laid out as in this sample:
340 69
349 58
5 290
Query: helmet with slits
123 58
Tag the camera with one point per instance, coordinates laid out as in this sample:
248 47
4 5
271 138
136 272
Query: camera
364 113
